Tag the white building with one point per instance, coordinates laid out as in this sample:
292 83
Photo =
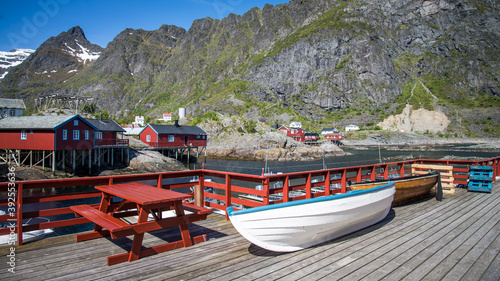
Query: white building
351 128
296 125
139 120
167 117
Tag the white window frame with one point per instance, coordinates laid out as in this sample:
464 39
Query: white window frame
98 135
75 122
148 138
65 134
76 134
171 138
87 134
24 135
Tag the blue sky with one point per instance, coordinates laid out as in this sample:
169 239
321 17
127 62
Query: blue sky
28 23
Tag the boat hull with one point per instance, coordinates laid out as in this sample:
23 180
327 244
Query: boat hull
297 225
408 189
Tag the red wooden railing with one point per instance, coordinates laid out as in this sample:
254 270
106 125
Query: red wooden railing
111 142
227 188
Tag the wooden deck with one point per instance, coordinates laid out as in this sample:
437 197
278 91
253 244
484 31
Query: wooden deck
456 239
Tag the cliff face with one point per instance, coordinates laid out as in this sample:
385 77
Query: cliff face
314 59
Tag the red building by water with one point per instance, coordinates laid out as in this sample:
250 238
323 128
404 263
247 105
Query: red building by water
173 136
297 133
60 132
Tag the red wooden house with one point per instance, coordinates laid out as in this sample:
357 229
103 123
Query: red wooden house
107 133
332 134
172 136
60 132
297 133
311 137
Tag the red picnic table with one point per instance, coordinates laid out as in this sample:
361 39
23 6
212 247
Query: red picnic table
145 199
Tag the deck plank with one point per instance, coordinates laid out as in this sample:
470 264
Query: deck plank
456 239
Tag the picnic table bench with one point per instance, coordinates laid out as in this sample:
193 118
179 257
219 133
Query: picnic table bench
146 200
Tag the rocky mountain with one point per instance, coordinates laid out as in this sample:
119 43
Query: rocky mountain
11 59
47 69
315 61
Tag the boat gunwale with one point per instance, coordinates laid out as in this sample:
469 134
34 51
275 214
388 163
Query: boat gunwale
231 212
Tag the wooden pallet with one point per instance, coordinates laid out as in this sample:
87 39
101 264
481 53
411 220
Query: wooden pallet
445 171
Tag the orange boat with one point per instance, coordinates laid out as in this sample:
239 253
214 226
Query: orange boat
408 189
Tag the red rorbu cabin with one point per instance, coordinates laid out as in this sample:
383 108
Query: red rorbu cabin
171 136
297 133
59 132
107 132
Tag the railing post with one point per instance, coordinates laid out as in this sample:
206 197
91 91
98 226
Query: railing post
20 214
343 183
265 187
198 195
327 183
286 189
308 186
228 194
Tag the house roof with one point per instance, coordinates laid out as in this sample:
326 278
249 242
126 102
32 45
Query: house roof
180 130
104 125
12 103
329 130
50 122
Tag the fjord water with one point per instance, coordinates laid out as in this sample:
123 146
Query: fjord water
358 157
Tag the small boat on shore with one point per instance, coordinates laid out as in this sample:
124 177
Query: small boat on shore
296 225
28 236
408 189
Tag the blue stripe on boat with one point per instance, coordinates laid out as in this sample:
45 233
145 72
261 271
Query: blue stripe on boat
231 212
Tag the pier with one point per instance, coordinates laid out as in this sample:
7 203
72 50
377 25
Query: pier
457 238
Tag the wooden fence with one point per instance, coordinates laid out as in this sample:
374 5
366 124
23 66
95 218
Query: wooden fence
27 199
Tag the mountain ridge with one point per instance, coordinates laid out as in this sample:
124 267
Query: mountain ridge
316 60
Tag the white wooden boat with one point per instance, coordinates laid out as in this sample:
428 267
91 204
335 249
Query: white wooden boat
28 236
292 226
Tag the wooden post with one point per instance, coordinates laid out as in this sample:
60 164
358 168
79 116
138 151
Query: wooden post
286 189
198 195
90 161
53 161
74 160
228 193
308 186
343 181
43 160
327 183
19 214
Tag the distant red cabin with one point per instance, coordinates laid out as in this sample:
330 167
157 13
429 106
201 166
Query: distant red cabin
336 136
297 133
61 132
173 136
311 137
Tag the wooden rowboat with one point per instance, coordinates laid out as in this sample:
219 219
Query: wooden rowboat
408 189
295 225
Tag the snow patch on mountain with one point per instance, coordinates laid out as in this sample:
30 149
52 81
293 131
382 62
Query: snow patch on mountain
12 58
83 54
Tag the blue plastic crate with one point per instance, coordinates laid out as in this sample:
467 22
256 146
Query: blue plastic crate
480 186
481 173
